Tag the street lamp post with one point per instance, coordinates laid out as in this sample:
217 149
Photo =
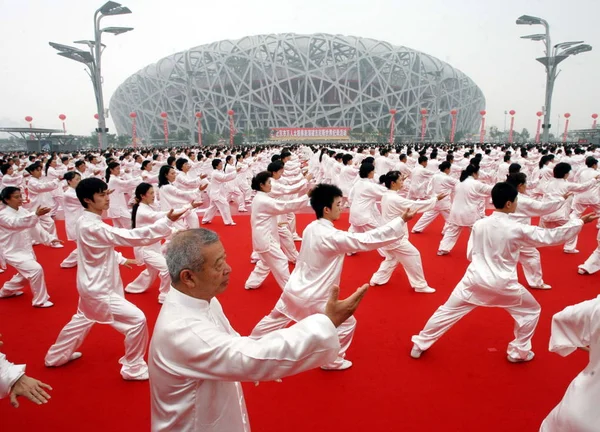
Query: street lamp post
93 59
550 61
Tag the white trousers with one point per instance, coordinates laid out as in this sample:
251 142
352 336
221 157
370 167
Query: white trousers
529 258
191 219
571 244
71 260
428 217
286 240
127 319
526 317
273 261
222 208
592 264
156 265
48 224
404 253
451 235
277 320
28 270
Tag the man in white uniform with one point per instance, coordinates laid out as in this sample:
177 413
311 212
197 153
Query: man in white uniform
197 358
491 278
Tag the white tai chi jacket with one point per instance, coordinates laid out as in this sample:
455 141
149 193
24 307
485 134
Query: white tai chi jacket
493 249
468 205
197 359
73 211
97 262
9 374
577 326
363 198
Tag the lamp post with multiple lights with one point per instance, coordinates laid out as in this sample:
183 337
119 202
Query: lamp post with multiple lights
554 55
93 59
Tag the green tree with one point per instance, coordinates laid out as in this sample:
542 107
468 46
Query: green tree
238 139
525 135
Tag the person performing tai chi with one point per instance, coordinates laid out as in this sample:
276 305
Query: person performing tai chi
73 210
319 267
196 357
491 278
101 297
577 326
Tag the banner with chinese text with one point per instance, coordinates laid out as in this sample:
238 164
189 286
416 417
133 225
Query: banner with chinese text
328 133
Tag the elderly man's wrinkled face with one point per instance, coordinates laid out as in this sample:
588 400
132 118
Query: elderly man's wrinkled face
213 278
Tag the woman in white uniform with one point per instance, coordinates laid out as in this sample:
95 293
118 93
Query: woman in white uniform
173 197
217 192
118 211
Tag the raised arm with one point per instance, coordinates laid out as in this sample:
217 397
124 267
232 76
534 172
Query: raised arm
346 242
102 235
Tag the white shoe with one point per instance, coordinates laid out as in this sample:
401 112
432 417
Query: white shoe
46 304
68 266
416 352
56 246
206 222
543 286
582 271
251 288
297 238
442 252
570 251
242 210
374 284
12 294
142 377
76 355
529 357
346 364
426 290
231 224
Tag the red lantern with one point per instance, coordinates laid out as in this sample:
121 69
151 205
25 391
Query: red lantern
539 113
132 115
567 115
163 114
62 117
594 116
230 112
482 112
512 112
453 112
393 111
423 111
198 115
96 116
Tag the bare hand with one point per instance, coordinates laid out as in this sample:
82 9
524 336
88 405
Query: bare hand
589 217
203 176
41 211
238 169
441 196
174 216
108 192
308 177
202 187
130 262
567 195
31 388
338 310
408 214
196 204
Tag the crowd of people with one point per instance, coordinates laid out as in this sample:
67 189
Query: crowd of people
156 201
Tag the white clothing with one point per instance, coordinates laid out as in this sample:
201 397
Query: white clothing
9 375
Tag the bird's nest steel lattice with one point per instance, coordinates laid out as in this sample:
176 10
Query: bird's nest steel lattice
291 80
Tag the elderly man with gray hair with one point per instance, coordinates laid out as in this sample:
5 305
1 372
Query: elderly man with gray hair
197 359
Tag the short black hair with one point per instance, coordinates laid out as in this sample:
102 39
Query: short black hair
516 179
365 169
88 187
275 166
34 166
514 168
7 192
503 193
215 163
179 163
322 196
561 169
444 166
422 159
260 178
70 175
4 168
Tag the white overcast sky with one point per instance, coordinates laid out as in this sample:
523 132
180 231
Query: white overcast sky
479 37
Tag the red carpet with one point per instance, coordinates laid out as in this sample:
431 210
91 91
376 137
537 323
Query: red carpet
464 383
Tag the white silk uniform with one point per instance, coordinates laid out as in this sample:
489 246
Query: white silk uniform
151 256
101 296
118 211
574 327
420 180
171 197
39 193
10 374
491 279
217 192
265 238
18 229
318 268
467 208
197 360
401 251
364 215
73 211
441 184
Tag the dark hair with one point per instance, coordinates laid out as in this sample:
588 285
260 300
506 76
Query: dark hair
145 164
48 162
4 168
285 153
346 158
260 179
140 190
88 187
561 169
162 175
323 196
170 160
444 166
514 168
590 161
365 169
516 179
503 193
506 157
70 175
34 166
468 172
275 166
368 160
422 159
110 167
79 163
215 163
227 159
179 163
7 192
543 160
389 178
275 157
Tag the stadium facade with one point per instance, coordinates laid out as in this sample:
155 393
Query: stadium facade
292 80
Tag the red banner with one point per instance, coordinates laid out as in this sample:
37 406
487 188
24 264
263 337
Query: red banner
335 133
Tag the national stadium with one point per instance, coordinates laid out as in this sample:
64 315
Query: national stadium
298 81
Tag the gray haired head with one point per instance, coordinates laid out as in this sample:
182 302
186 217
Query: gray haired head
185 251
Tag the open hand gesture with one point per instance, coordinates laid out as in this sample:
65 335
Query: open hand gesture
589 217
338 310
408 214
174 216
196 204
130 262
441 196
41 211
32 389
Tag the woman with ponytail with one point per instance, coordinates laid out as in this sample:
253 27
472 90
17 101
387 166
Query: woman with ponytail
402 251
117 210
467 208
173 197
52 173
145 213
